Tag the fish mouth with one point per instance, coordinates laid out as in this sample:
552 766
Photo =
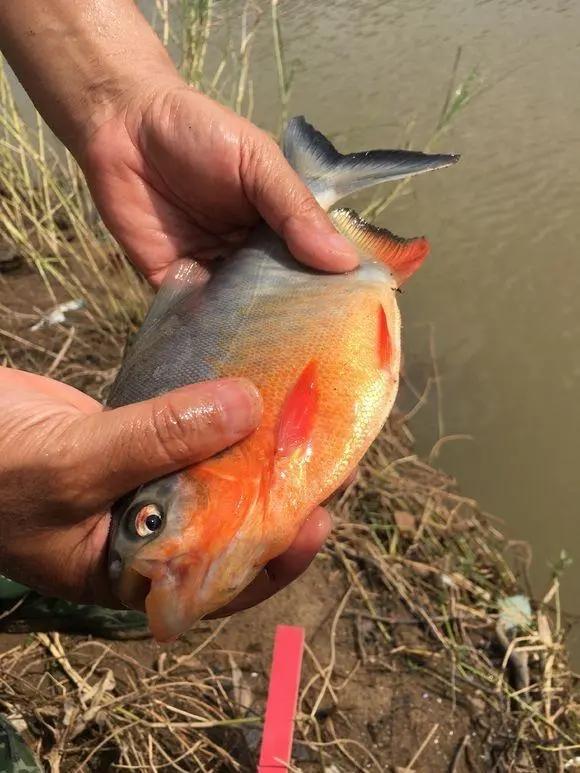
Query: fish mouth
179 591
173 592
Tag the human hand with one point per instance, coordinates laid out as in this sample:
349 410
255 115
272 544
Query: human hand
64 460
175 174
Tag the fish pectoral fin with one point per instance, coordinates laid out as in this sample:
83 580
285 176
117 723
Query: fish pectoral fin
385 345
331 176
298 412
402 256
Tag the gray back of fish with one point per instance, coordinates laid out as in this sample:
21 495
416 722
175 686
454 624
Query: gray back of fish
188 328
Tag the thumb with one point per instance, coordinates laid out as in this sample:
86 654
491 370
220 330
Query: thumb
117 450
288 206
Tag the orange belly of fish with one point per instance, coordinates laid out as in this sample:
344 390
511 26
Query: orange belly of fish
326 393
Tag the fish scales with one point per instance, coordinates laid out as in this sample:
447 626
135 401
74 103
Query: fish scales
253 297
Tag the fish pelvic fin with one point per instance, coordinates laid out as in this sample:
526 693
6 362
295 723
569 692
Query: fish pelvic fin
402 256
331 176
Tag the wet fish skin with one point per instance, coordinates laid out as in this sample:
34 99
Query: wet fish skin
206 319
324 351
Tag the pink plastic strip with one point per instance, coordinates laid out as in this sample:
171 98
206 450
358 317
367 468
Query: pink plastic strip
282 697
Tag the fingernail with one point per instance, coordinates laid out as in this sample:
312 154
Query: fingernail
331 521
241 403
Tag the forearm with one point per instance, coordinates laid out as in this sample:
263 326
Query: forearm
78 58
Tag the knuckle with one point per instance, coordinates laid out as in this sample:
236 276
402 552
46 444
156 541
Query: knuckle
182 433
257 148
302 208
259 156
305 206
267 177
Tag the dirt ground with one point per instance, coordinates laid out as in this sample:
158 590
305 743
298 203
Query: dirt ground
381 706
384 711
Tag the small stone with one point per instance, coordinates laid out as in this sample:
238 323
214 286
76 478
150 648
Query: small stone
405 522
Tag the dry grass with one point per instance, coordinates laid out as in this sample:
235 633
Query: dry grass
47 218
407 532
412 552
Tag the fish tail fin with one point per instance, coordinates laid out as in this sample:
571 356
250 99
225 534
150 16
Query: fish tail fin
330 175
402 256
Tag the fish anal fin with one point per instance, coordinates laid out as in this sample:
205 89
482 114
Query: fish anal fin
298 412
402 256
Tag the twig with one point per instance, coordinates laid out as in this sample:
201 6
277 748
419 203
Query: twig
331 663
423 746
458 754
62 353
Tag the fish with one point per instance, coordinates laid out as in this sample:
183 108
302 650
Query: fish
324 351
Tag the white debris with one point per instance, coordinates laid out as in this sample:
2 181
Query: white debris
515 613
18 722
57 316
448 581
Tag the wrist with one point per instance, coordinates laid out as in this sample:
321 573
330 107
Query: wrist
116 93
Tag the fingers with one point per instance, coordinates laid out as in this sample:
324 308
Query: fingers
291 210
112 452
284 569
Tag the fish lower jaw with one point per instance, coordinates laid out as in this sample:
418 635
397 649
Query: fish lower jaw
178 592
177 597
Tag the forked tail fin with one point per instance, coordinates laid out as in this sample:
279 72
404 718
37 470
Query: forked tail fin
330 175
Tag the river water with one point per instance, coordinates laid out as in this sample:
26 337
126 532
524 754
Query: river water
500 294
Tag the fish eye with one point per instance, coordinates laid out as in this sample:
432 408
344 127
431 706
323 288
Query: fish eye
148 520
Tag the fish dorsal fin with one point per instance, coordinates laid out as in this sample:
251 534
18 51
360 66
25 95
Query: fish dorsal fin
402 256
298 412
330 175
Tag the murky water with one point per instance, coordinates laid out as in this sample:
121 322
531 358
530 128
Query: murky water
501 290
